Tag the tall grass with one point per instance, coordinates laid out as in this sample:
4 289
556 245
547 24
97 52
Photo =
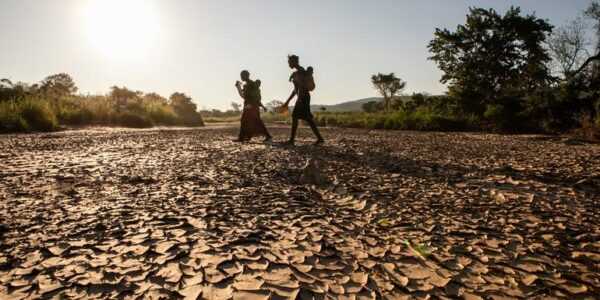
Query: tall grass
222 119
86 111
26 115
276 117
43 114
589 128
421 119
163 114
399 120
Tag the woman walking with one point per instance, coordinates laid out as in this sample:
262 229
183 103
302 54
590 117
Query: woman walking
251 124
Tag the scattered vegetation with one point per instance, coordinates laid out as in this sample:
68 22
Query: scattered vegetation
43 106
388 86
234 114
28 114
500 69
506 73
218 116
419 120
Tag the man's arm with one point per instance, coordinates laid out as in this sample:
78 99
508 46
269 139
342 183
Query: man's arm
290 98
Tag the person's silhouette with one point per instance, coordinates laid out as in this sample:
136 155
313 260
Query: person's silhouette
302 106
251 124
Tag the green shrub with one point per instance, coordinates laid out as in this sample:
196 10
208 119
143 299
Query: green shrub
129 119
27 114
163 115
10 117
38 114
331 121
192 119
28 107
221 119
398 120
274 117
494 112
78 116
500 118
391 123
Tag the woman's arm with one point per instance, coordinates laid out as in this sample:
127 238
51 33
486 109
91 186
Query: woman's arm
263 106
238 85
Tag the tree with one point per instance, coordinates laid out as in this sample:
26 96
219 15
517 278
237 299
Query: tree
568 45
13 91
7 91
182 103
60 84
155 98
121 96
492 59
592 13
5 82
122 93
388 86
576 98
236 106
186 109
397 103
418 98
272 105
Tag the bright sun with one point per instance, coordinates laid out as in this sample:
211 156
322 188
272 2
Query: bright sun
121 28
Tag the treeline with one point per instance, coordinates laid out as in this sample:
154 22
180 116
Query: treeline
218 116
53 101
416 112
508 73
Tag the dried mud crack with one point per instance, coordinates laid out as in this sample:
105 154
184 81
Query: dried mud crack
169 214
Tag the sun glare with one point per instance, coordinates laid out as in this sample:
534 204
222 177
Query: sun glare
120 28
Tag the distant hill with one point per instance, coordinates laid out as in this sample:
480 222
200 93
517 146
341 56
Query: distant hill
355 105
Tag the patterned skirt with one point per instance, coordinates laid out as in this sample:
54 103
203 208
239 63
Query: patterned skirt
251 123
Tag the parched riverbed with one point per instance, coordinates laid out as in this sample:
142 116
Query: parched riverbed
169 213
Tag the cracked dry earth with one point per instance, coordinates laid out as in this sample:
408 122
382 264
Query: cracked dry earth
189 214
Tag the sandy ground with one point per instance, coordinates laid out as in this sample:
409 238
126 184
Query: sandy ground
187 213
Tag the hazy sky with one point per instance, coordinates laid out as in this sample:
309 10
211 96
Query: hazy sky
199 47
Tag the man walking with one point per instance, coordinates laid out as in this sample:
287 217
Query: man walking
303 84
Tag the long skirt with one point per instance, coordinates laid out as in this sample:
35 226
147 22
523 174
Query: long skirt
251 124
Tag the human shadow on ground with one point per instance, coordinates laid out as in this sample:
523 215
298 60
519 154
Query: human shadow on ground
437 172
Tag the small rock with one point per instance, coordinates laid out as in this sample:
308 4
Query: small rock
311 174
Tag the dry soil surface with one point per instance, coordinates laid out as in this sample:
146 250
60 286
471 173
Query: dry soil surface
169 213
